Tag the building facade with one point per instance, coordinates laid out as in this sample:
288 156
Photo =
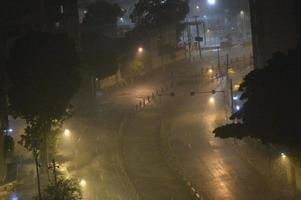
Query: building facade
275 27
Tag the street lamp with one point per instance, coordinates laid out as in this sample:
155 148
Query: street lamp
210 71
283 155
211 100
140 49
237 107
211 2
83 183
67 133
242 12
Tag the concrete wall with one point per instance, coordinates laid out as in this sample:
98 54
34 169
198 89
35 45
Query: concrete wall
110 81
273 28
154 62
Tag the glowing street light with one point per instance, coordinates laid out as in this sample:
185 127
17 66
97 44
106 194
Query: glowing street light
211 2
210 71
197 7
236 87
237 108
236 98
83 183
140 49
67 133
242 12
212 100
283 155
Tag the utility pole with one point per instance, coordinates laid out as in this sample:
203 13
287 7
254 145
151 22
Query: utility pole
204 29
189 41
227 61
218 58
231 96
230 82
198 35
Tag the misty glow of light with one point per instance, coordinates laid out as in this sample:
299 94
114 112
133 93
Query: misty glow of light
237 108
210 71
67 132
242 12
211 100
83 183
235 98
140 49
236 87
10 130
14 196
197 7
211 2
283 155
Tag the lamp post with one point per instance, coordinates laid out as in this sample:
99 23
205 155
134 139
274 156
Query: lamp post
211 2
140 49
212 99
198 35
242 15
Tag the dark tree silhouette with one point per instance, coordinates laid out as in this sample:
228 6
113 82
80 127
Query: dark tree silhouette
161 20
154 15
102 13
272 106
100 53
43 70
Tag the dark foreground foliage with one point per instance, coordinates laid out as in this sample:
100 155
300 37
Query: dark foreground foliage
272 109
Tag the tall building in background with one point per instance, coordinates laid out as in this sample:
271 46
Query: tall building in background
275 27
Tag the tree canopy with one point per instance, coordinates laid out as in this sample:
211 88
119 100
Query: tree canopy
101 53
272 106
65 189
101 63
102 13
155 15
43 71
